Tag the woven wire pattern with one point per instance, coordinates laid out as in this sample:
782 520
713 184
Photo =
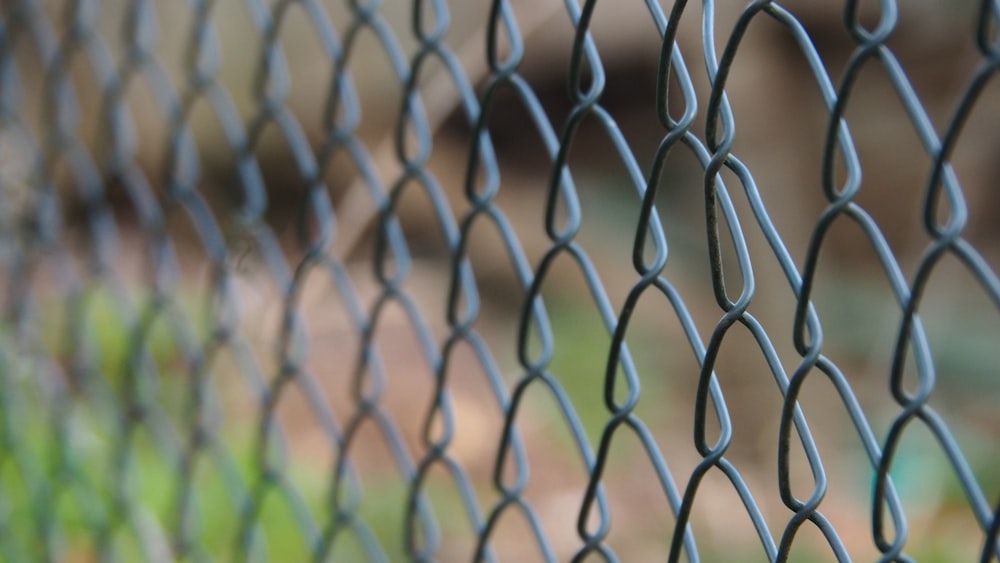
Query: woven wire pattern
250 308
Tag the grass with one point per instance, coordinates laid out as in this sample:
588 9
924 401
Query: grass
74 465
62 479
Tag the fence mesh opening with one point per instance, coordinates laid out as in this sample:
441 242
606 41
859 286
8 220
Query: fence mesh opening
508 281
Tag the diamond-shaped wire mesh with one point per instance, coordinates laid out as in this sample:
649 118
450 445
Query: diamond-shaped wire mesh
507 281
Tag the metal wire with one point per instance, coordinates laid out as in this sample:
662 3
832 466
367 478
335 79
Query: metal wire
140 406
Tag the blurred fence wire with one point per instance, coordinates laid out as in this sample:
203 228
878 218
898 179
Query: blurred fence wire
249 310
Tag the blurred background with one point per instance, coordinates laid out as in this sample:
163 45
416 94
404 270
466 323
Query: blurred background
210 350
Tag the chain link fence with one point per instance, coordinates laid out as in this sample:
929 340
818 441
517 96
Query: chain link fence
507 281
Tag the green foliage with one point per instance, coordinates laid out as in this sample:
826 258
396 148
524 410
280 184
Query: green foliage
74 467
579 363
